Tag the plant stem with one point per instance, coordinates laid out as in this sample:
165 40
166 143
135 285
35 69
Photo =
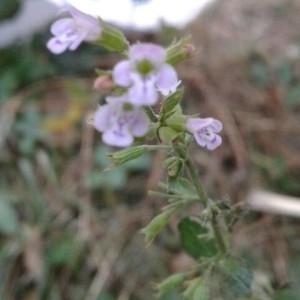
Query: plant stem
204 199
217 233
196 182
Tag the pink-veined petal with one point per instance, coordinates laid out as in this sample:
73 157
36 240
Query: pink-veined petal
122 73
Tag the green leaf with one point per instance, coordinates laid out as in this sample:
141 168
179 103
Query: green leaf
8 219
195 239
155 226
172 282
8 8
237 277
125 155
171 102
196 290
181 186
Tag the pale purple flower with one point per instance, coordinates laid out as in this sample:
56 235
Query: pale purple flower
145 73
120 122
70 32
205 131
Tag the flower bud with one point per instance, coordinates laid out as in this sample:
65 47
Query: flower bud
174 166
170 283
180 50
155 226
125 155
103 83
112 38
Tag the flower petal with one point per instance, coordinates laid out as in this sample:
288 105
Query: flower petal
116 137
147 51
200 141
195 124
77 40
143 92
215 143
217 125
166 79
101 118
122 73
140 125
56 46
82 17
61 26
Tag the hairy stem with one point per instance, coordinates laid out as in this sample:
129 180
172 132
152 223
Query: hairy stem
204 199
196 182
217 233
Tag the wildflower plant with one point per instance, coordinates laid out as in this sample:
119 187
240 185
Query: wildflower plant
145 78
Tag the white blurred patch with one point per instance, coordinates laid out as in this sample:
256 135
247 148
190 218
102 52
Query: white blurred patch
36 14
148 15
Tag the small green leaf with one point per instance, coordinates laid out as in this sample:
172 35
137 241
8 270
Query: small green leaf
112 38
195 239
237 277
125 155
171 102
171 283
155 226
180 186
180 50
174 166
196 290
167 135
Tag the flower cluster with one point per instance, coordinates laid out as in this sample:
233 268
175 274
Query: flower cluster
145 77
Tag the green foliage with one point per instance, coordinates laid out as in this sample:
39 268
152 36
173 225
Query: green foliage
196 290
236 277
171 283
195 239
9 8
155 226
